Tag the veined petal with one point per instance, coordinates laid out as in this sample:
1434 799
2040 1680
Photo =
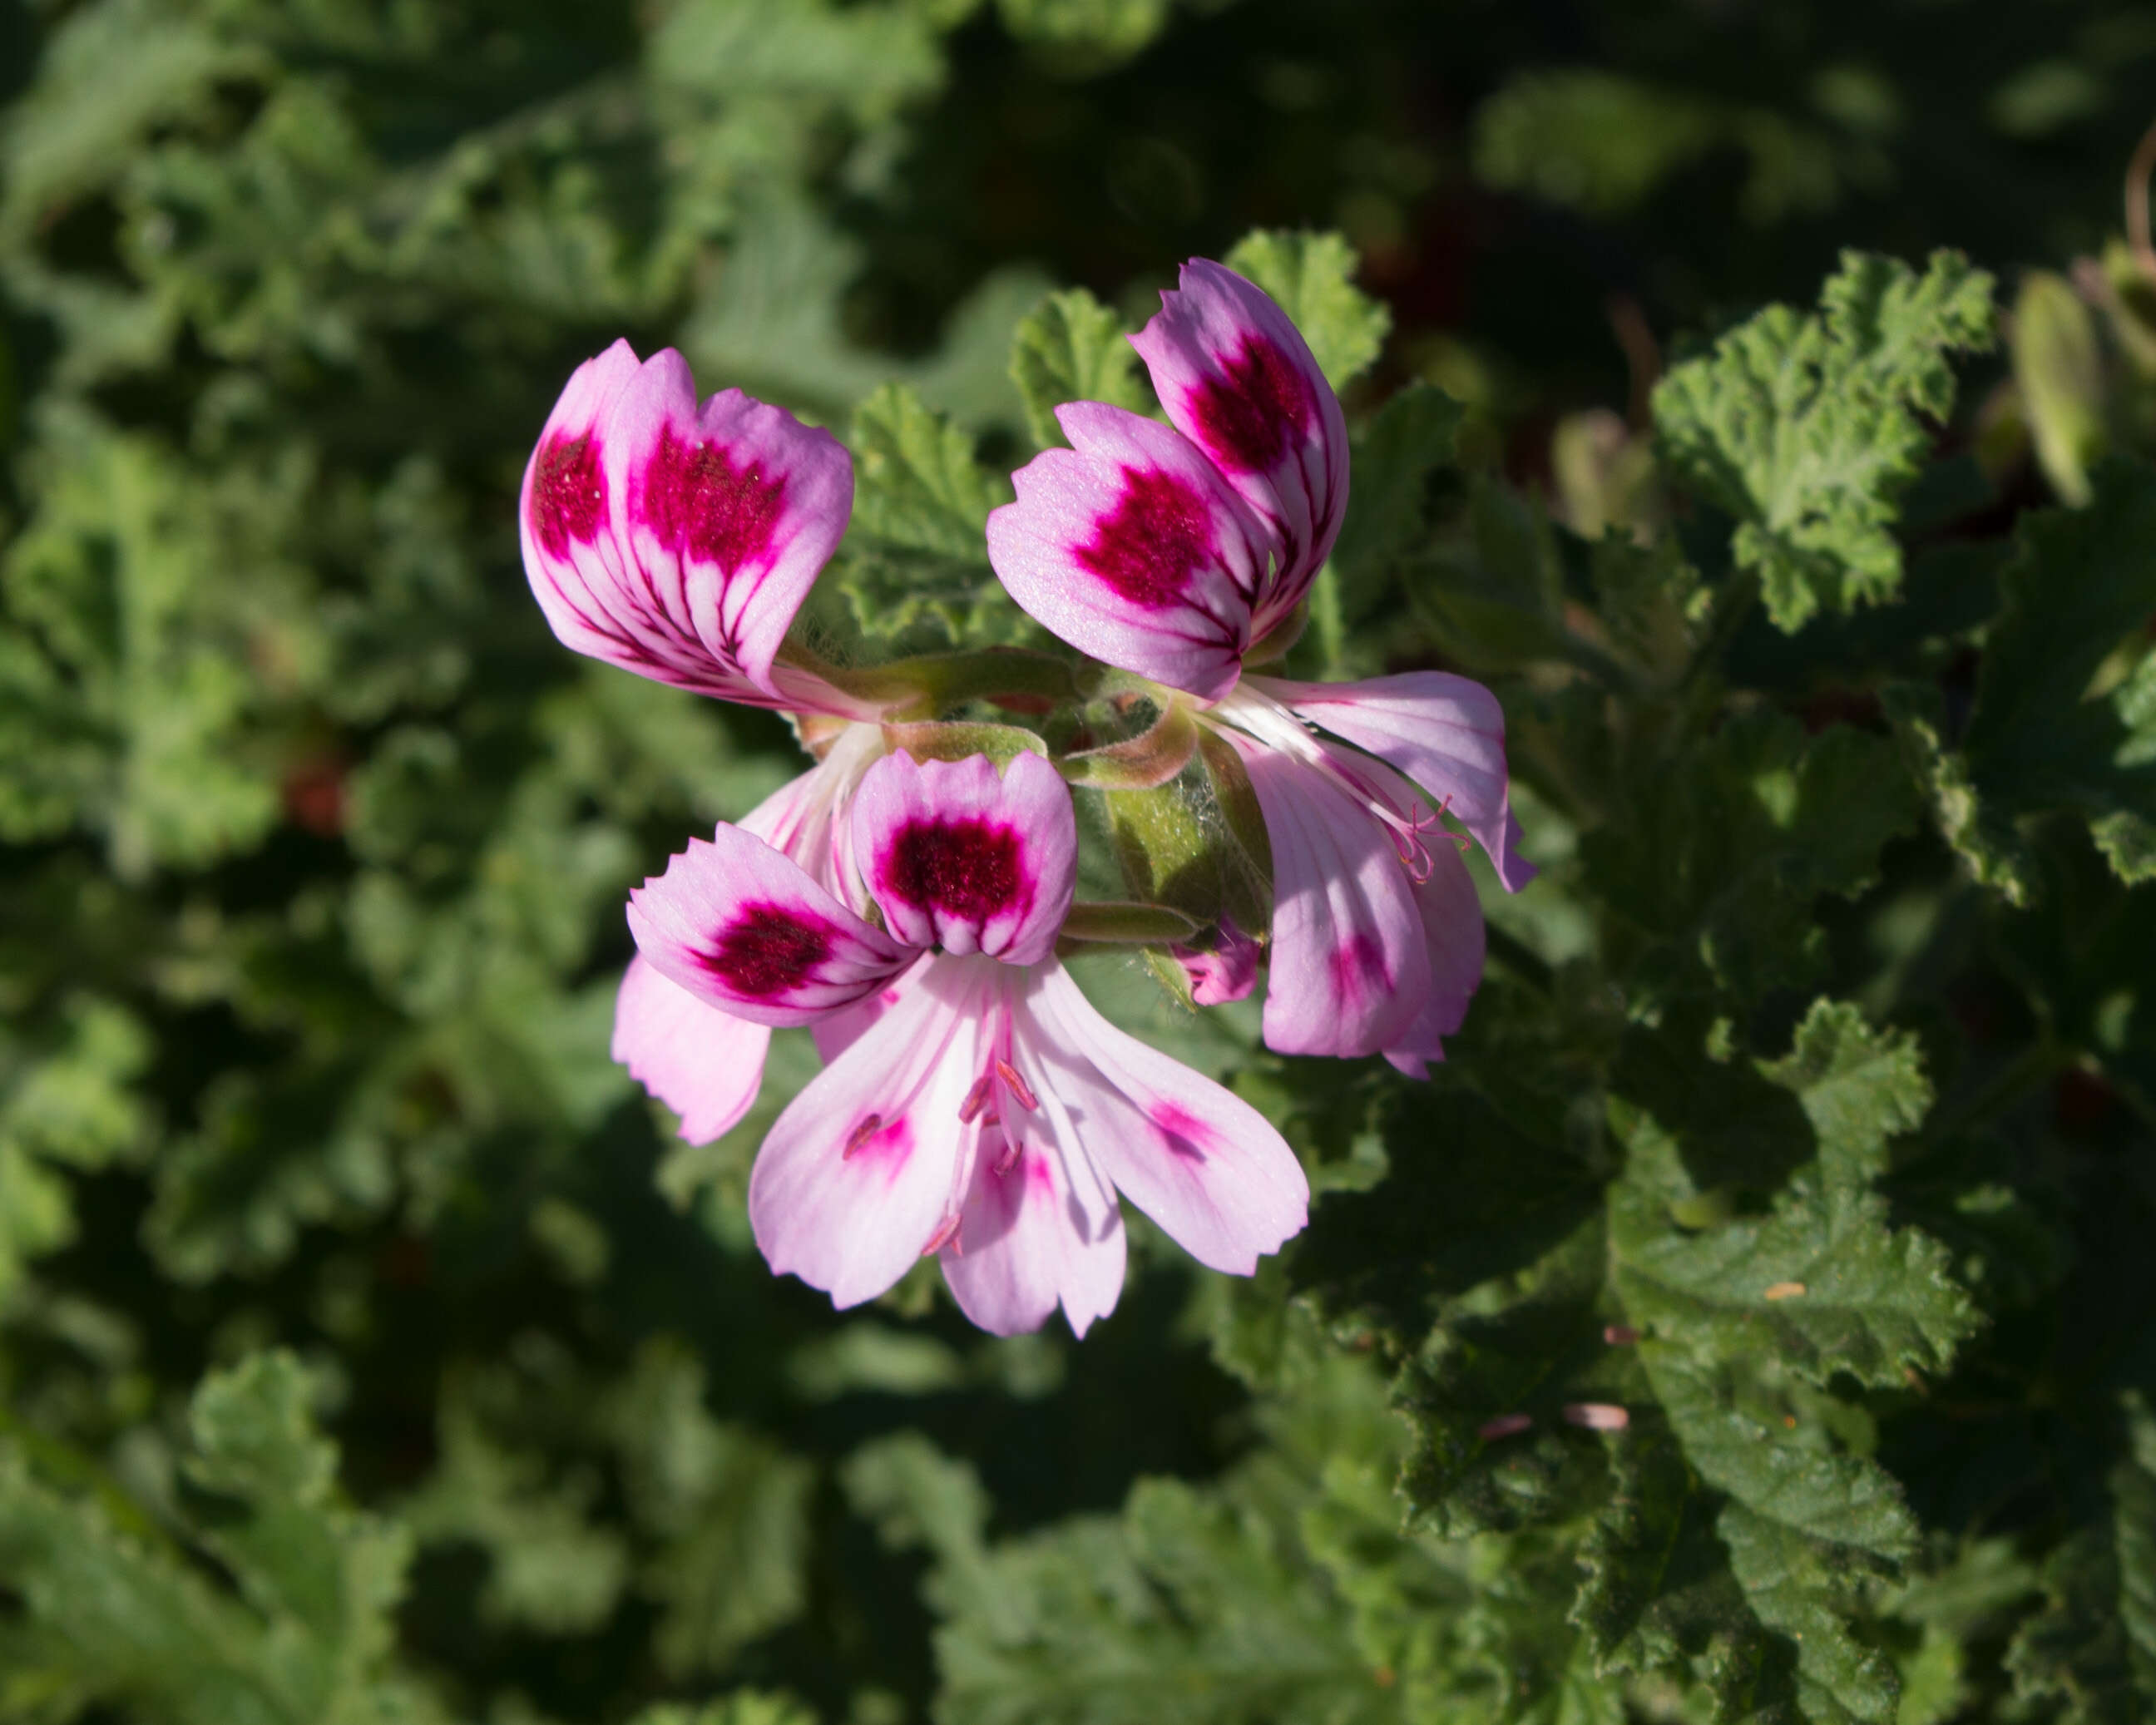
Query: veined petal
805 817
745 929
1445 732
1200 1160
862 1171
1350 965
678 540
1030 1239
704 1064
961 859
1454 935
1238 380
1130 547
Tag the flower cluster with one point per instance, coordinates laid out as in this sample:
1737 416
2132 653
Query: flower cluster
907 897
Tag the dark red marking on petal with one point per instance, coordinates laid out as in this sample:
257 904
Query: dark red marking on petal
1184 1134
1255 410
568 493
767 949
1358 969
1039 1178
1158 536
973 869
697 501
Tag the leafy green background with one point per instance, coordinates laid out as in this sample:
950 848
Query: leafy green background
1758 397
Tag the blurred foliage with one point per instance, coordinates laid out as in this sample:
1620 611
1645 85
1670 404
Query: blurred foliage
371 1352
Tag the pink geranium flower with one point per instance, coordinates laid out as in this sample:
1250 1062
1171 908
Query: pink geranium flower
678 540
706 1065
1181 552
989 1114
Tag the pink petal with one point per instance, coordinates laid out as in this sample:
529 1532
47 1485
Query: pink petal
1446 733
961 859
805 818
704 1064
1226 971
1237 379
1201 1162
1455 938
1350 968
744 929
1030 1239
674 540
1130 547
862 1169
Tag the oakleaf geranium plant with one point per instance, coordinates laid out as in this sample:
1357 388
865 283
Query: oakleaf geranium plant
908 896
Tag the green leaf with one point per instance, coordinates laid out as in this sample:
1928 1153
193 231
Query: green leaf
2046 733
115 1621
1071 348
67 1101
1602 142
552 1567
1311 276
1407 440
1082 37
731 1507
1807 428
744 1706
914 566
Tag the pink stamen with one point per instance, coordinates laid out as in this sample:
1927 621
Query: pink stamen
1008 1160
1021 1092
945 1236
868 1126
976 1098
1504 1425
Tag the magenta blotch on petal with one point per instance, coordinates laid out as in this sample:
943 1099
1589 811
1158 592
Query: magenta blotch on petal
1132 547
864 1168
677 540
743 928
1200 1160
1237 379
1350 965
965 860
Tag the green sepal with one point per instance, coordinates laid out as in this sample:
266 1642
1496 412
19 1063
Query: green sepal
931 742
1137 763
1126 922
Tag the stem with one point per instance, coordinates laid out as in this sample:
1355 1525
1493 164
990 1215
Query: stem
923 686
